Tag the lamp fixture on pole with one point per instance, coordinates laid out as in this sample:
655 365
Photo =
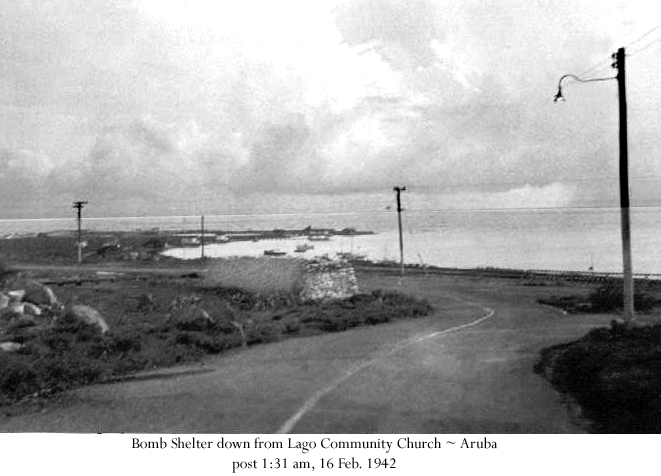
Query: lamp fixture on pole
560 98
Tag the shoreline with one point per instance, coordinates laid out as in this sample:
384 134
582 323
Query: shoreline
153 246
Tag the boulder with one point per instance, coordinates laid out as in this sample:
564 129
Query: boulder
10 346
191 318
30 309
32 291
18 307
11 313
15 296
39 294
84 314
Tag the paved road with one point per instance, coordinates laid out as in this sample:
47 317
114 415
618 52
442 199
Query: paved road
465 369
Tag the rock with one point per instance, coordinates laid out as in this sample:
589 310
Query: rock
10 346
39 294
191 318
15 296
17 307
9 314
4 300
30 309
32 291
85 315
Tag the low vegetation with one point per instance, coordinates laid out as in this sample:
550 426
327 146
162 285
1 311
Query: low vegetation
162 323
605 299
613 374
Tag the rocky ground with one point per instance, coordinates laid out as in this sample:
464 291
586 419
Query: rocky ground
89 330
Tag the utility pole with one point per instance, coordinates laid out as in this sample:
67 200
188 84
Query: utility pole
627 273
79 242
202 237
629 315
399 190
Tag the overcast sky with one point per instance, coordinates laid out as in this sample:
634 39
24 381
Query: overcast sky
173 106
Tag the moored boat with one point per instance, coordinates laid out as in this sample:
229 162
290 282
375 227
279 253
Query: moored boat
303 248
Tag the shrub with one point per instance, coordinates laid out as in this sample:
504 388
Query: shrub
610 298
17 378
614 375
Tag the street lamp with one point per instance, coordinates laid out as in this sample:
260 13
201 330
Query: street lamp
627 273
560 98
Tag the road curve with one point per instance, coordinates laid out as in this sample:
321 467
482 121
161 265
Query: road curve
465 369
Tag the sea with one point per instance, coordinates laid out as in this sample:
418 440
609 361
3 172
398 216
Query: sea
539 239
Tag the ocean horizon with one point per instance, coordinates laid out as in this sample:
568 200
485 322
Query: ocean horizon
553 239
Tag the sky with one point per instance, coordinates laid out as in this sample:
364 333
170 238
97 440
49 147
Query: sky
157 107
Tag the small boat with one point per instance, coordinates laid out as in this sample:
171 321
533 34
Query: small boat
303 248
274 253
190 241
350 256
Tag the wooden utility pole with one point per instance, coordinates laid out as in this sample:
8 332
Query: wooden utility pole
629 314
399 190
79 242
202 237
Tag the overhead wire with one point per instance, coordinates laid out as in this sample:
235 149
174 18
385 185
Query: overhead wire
643 36
640 50
608 61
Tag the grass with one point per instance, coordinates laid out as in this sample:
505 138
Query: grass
54 249
614 375
165 322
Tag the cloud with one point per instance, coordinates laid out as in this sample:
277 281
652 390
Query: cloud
170 103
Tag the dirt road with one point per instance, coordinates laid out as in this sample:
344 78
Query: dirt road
465 369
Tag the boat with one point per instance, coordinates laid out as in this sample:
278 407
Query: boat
274 253
350 256
303 248
190 241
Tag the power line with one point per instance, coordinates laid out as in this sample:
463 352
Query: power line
643 36
606 61
640 50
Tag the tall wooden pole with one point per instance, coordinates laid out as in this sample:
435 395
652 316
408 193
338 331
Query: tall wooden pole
399 190
628 310
79 242
202 237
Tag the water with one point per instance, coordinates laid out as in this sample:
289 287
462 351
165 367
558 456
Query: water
529 239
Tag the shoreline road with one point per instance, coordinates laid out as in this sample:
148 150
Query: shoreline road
467 368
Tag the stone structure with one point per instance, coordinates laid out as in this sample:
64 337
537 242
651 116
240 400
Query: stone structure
328 280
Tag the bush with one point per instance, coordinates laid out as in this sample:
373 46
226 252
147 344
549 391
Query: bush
17 378
614 375
610 298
